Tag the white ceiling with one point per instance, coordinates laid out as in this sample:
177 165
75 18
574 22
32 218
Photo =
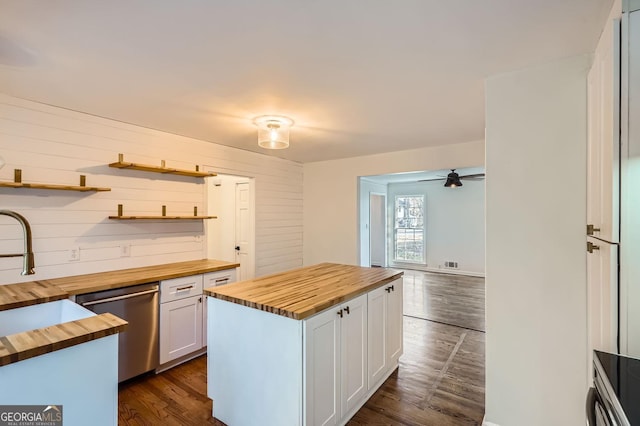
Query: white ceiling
357 76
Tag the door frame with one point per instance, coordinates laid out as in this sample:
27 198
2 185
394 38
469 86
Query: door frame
385 220
209 227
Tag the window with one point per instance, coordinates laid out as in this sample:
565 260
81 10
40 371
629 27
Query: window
408 235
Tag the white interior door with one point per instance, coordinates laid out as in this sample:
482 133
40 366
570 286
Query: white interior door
377 229
231 199
244 231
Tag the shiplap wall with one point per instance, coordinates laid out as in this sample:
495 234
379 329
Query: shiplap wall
54 145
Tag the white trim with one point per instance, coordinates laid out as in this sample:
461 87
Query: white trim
485 423
424 268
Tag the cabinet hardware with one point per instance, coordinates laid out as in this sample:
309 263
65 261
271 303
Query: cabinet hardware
237 248
346 309
388 289
392 288
184 288
340 313
591 247
222 280
200 300
591 229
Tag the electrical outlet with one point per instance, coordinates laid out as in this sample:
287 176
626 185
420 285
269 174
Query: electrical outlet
74 254
125 250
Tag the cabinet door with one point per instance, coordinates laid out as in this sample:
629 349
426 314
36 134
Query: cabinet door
321 357
603 143
602 278
353 366
212 279
205 307
180 328
376 335
394 321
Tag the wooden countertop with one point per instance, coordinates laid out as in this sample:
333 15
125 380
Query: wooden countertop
90 283
29 344
303 292
25 294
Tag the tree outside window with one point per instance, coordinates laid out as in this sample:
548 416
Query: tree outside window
409 229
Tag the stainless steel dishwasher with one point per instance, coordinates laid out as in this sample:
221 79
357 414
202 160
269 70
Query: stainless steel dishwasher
138 345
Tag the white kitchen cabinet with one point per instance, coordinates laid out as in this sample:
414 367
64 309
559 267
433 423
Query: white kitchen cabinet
603 146
602 279
335 354
317 363
384 330
212 279
180 328
183 314
353 350
603 192
322 361
394 322
377 335
180 317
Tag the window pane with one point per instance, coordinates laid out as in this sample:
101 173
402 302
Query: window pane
409 228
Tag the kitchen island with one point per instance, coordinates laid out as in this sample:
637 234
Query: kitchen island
303 347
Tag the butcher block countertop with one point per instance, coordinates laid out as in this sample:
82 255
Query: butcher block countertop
29 344
32 293
303 292
82 284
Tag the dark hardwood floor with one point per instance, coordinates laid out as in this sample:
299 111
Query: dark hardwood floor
440 380
449 299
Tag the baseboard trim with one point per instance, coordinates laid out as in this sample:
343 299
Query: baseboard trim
438 270
486 423
181 360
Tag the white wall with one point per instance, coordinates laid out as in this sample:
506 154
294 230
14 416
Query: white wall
454 219
55 145
536 372
331 194
366 188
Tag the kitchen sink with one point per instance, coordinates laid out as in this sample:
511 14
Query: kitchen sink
39 316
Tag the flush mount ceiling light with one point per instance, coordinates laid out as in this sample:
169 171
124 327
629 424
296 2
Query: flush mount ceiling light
273 131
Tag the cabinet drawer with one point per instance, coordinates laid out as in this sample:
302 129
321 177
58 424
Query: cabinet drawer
212 279
179 288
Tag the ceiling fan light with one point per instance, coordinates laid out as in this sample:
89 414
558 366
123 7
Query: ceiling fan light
273 131
453 180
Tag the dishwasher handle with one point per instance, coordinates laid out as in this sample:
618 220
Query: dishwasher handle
113 299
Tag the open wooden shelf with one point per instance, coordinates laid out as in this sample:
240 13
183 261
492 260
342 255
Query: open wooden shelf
17 183
121 164
164 216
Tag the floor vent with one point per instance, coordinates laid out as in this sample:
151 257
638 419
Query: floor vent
450 264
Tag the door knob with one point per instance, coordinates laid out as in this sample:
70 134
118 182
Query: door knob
237 248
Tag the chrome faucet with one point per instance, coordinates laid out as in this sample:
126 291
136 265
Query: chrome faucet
28 263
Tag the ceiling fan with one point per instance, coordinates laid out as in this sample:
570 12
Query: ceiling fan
454 180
